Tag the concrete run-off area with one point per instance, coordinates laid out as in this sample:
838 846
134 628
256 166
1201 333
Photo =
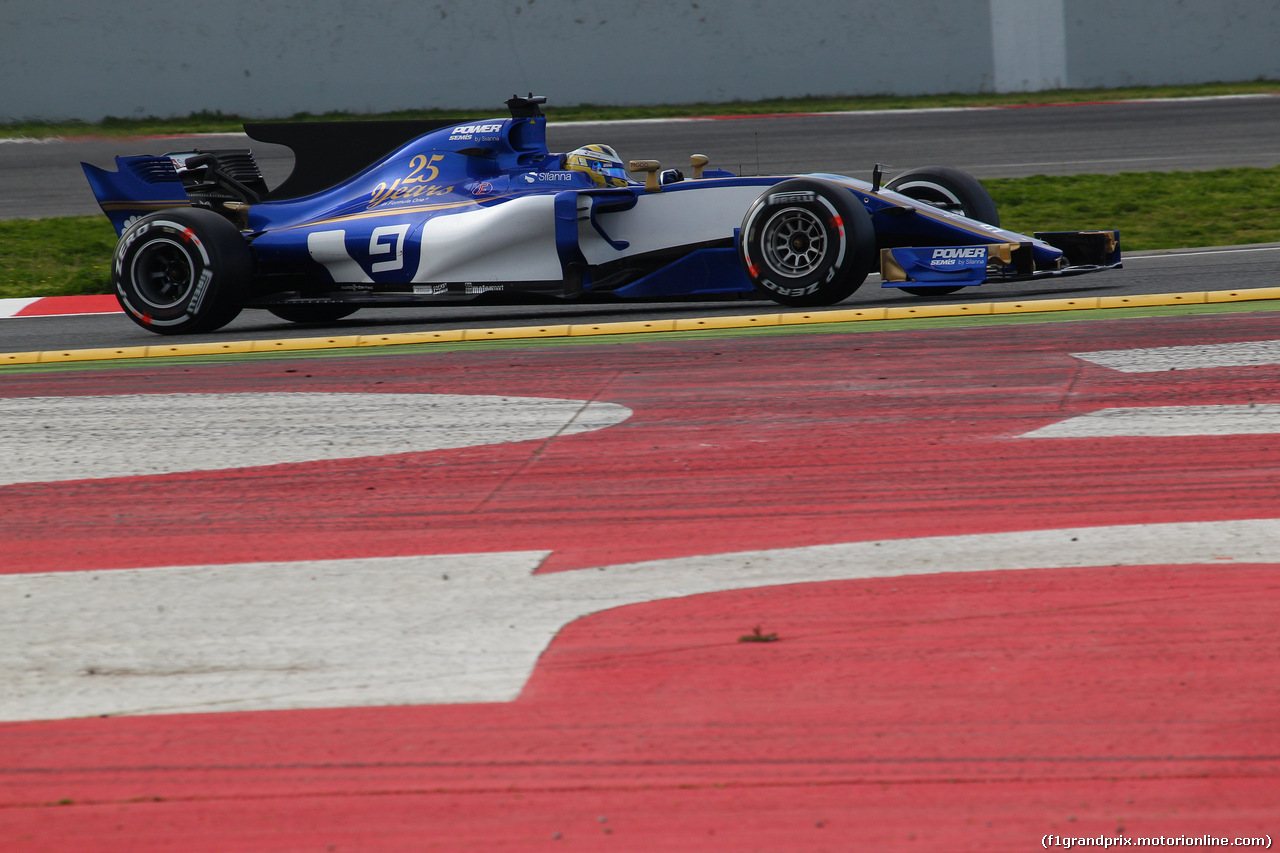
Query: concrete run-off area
887 590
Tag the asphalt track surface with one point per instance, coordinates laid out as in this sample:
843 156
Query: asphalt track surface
1021 578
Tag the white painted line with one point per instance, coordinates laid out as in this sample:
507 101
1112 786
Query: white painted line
1192 357
1179 253
1058 164
441 629
50 439
265 636
55 306
921 111
200 135
10 307
47 140
1167 421
870 113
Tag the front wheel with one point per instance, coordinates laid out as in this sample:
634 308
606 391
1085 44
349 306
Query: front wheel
181 270
949 189
807 242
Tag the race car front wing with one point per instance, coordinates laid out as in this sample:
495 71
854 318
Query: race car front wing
961 266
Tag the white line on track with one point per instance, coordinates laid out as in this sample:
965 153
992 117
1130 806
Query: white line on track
925 110
442 629
10 307
1167 421
1192 357
1191 253
821 113
1056 164
51 439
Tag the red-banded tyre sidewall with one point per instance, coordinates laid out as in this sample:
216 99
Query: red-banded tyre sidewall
807 242
181 271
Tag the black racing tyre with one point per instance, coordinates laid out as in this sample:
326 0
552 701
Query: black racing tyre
181 270
319 313
950 189
807 242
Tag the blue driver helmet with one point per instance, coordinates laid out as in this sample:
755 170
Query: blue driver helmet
600 162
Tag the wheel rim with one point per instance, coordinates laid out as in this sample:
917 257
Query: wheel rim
935 196
795 242
162 273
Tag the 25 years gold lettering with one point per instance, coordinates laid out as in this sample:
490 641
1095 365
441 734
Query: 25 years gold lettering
420 163
423 172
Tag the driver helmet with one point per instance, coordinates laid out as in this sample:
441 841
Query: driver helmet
601 162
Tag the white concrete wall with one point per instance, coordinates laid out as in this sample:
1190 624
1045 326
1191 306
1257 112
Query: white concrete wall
87 59
1131 43
1029 48
262 58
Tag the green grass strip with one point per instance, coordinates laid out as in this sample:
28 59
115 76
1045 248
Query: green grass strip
55 257
1153 210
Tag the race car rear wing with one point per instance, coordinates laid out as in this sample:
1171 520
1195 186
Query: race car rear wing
140 185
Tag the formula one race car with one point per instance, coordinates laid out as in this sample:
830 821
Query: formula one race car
412 212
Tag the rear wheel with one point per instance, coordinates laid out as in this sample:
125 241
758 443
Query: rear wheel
319 313
951 190
180 271
807 242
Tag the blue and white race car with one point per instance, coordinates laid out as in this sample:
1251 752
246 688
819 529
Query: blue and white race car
411 213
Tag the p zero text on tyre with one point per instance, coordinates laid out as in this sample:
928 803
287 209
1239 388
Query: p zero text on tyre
807 242
181 270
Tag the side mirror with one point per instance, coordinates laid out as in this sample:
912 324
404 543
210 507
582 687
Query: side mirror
650 168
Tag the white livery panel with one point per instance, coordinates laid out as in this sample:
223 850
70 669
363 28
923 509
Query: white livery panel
674 217
511 241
